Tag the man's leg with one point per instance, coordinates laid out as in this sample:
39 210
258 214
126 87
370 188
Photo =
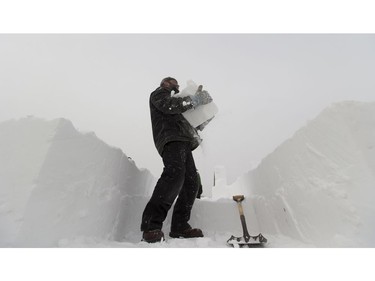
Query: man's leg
186 197
167 187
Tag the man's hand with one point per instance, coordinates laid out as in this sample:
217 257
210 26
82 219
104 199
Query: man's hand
201 97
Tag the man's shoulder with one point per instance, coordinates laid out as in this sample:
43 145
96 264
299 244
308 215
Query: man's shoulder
159 91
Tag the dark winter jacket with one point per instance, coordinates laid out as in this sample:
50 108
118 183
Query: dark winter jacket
168 124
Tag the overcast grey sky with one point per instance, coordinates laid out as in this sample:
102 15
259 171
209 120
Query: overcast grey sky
266 86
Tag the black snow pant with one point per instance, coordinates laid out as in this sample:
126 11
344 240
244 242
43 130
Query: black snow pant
179 178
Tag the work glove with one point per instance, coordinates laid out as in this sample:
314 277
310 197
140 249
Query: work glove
201 97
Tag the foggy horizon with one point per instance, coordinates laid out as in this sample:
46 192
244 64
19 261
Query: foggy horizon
266 86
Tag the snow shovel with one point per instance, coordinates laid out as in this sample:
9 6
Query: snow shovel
246 240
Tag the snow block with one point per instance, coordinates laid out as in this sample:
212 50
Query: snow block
202 113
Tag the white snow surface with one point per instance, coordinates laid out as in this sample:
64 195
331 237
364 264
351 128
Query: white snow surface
319 186
57 183
63 188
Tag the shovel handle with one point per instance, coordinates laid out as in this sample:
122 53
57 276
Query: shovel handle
240 198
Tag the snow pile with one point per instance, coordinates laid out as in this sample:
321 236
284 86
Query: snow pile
319 186
62 188
57 183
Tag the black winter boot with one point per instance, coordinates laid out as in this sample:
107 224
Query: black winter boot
153 236
187 233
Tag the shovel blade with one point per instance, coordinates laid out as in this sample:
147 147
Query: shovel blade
253 241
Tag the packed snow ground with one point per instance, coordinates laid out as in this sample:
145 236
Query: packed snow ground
64 188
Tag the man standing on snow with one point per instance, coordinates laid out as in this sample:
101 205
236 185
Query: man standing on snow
175 139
